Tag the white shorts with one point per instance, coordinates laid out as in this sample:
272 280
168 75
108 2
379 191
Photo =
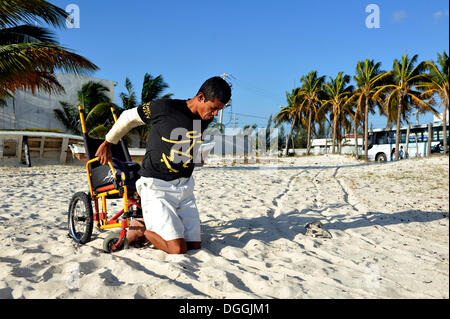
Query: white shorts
169 208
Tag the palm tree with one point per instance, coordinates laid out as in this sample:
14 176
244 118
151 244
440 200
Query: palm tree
402 93
97 107
352 110
347 120
338 92
439 73
92 94
324 125
96 104
368 78
311 94
68 116
152 89
30 55
289 114
128 99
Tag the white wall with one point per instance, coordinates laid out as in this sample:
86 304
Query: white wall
36 111
439 118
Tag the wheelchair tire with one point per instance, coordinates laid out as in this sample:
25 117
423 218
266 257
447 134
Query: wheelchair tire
81 218
112 239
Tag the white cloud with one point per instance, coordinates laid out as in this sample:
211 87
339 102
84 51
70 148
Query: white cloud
399 16
439 14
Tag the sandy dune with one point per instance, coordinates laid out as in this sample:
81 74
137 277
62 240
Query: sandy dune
389 225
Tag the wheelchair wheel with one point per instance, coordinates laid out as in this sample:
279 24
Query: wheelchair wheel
111 240
81 218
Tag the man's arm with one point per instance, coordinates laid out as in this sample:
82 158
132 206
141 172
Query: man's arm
128 120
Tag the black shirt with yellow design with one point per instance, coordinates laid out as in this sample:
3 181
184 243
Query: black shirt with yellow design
173 140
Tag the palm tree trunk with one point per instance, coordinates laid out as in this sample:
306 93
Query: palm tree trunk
286 151
308 146
333 151
397 134
430 137
366 128
333 141
416 139
364 134
444 127
339 137
355 132
417 144
407 140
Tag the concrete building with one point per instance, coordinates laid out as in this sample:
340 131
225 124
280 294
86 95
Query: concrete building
31 111
29 130
440 117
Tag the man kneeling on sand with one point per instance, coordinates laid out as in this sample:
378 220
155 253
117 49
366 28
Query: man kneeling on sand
170 216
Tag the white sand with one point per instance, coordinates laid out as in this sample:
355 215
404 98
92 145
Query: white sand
389 223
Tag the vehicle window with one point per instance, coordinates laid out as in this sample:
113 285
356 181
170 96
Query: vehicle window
435 135
403 137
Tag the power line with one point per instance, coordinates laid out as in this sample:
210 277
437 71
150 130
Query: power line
251 115
223 76
262 92
232 115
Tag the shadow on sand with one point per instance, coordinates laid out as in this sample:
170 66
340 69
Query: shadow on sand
289 225
279 165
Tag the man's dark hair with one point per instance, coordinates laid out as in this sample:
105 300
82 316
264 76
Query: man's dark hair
216 87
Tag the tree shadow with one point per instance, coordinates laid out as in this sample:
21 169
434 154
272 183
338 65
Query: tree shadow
238 232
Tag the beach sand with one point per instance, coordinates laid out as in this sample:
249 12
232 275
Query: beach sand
389 225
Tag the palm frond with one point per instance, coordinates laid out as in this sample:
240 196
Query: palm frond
37 62
68 116
99 131
26 34
30 80
99 114
91 94
17 12
152 88
167 96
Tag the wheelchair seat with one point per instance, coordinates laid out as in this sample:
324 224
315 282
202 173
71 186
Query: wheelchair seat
102 177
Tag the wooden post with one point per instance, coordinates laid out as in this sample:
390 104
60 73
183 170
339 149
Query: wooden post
19 149
65 144
41 148
430 137
26 151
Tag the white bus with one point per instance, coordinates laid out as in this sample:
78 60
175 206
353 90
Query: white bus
382 142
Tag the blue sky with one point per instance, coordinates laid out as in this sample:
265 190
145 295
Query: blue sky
265 45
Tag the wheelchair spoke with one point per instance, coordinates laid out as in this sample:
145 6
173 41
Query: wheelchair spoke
80 217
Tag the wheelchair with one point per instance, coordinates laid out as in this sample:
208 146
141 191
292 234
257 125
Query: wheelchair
113 181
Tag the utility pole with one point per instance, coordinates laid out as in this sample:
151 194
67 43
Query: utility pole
223 76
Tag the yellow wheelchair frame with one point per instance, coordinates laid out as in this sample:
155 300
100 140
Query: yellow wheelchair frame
89 214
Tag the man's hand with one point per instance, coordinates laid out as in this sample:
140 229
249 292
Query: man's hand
104 153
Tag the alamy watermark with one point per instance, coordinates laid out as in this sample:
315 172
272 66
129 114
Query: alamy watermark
372 276
250 146
72 272
373 19
73 20
252 143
